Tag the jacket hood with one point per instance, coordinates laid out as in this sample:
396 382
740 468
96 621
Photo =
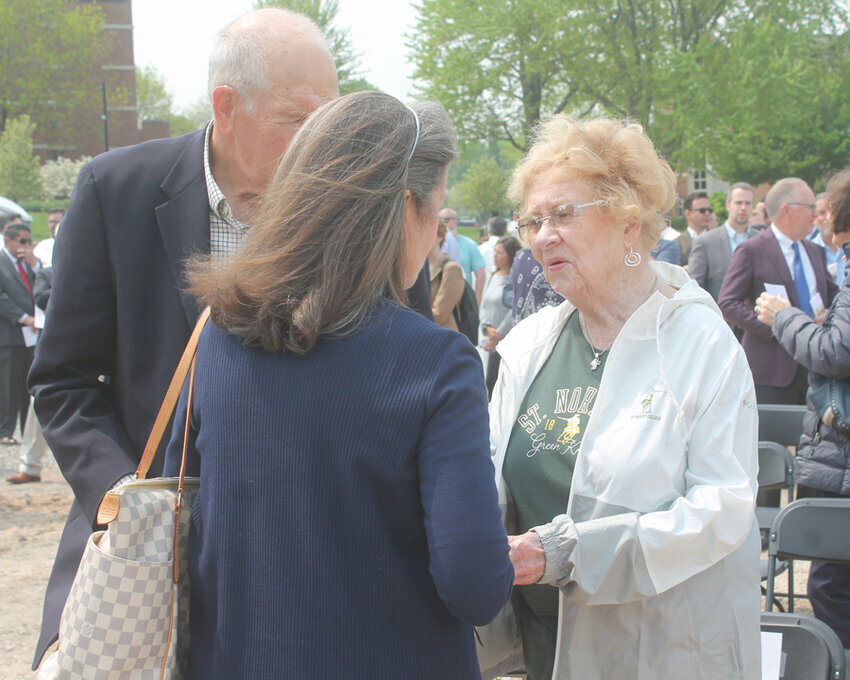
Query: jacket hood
643 322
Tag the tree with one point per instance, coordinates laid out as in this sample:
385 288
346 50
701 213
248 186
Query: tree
191 117
20 173
499 65
793 118
50 52
153 100
484 186
504 64
60 176
324 13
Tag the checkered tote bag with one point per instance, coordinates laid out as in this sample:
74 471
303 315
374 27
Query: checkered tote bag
127 615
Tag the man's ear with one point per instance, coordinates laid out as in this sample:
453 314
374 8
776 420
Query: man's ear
224 103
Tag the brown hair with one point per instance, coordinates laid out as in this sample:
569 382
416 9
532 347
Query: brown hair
838 200
329 237
442 230
511 245
616 160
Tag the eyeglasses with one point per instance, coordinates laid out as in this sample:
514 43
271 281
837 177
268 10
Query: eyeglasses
23 240
561 217
703 211
810 206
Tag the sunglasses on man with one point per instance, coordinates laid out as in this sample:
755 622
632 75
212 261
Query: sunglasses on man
704 210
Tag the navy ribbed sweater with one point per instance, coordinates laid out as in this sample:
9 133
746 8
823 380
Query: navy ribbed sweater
347 524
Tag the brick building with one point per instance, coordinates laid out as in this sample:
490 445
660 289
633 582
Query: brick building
117 75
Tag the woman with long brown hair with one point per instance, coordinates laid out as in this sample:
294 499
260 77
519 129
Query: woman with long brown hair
347 523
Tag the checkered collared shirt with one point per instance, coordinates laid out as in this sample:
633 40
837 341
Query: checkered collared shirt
226 232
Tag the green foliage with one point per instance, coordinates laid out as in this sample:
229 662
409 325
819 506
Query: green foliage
153 100
679 223
39 225
49 56
483 188
20 174
192 117
793 118
755 88
324 13
60 176
718 204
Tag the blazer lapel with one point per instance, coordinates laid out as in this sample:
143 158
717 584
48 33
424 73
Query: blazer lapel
184 219
773 254
13 272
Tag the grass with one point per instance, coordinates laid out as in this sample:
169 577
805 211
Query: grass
39 226
472 232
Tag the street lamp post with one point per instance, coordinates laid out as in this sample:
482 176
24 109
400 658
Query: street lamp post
105 119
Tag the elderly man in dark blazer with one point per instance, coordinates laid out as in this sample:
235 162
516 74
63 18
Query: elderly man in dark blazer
783 256
119 316
16 313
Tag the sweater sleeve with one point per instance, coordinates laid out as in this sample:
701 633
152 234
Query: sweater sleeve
467 542
822 349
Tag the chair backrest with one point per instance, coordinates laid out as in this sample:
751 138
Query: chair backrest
781 423
812 649
812 529
776 467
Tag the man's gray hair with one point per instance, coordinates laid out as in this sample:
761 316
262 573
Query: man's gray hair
497 226
239 57
740 185
786 190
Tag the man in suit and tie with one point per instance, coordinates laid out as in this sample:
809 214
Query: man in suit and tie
712 251
780 255
119 316
16 313
698 213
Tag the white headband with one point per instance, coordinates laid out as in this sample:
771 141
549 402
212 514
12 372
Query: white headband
416 140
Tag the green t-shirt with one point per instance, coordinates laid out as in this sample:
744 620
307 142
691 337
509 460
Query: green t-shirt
538 469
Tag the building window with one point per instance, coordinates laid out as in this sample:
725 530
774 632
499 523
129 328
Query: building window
700 180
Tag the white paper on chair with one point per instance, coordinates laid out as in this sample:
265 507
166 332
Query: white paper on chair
771 655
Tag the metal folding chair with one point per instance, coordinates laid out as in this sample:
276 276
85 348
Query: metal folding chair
812 649
808 529
776 472
781 423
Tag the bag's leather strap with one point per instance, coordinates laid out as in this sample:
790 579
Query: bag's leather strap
172 395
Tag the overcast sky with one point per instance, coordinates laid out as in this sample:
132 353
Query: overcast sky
175 37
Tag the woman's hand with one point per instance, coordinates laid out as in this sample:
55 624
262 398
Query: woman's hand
767 305
528 558
493 337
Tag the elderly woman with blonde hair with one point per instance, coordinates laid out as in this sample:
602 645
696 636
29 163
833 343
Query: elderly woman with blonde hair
625 449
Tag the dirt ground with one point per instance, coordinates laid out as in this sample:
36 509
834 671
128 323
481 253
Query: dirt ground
31 521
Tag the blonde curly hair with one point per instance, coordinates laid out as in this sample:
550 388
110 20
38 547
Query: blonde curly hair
614 158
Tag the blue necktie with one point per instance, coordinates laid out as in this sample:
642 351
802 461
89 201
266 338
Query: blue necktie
803 301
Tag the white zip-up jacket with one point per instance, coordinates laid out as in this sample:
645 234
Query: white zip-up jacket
657 556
